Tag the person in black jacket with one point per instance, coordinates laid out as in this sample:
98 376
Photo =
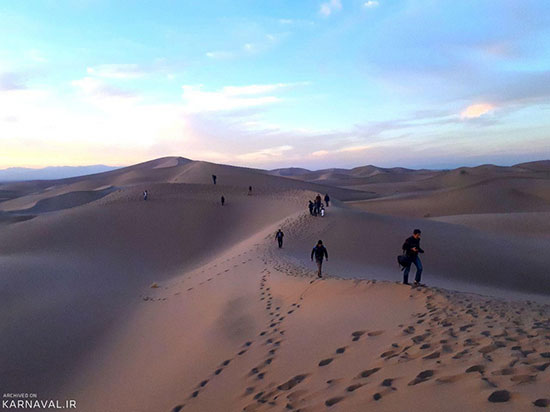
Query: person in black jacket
327 199
317 207
310 205
214 178
279 236
223 200
412 249
320 252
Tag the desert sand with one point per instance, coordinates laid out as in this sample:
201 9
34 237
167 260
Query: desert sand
179 304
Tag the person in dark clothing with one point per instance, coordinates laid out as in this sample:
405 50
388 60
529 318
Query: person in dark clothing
214 177
223 200
249 190
310 208
279 236
327 199
145 195
320 252
317 205
412 249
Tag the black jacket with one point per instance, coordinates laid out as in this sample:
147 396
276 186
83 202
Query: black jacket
410 243
279 235
320 252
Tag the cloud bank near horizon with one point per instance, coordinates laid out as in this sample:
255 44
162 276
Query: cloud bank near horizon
317 84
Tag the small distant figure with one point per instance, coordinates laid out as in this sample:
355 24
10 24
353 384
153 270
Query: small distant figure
223 200
279 236
322 211
320 252
327 199
145 195
249 190
412 249
214 178
310 208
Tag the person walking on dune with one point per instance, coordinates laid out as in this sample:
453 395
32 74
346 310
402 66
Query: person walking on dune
145 195
317 205
279 236
310 208
412 249
249 190
327 199
214 178
223 200
320 252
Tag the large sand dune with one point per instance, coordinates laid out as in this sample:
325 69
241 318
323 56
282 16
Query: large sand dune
234 323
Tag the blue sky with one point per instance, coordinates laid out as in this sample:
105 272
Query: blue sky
335 83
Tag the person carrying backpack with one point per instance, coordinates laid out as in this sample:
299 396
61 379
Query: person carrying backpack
279 236
412 249
320 252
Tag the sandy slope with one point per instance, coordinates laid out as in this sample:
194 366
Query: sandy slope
237 324
241 334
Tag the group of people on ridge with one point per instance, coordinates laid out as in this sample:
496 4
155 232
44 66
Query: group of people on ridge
317 207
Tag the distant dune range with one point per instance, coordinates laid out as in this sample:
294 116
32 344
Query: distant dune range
79 318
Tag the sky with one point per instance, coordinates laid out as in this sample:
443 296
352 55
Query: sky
273 83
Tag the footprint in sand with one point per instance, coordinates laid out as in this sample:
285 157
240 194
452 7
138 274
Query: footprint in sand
354 387
357 335
325 362
499 396
291 383
333 401
476 368
368 372
422 377
542 403
341 350
387 382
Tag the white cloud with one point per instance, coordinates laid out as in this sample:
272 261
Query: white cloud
230 97
330 6
116 71
371 4
353 149
267 154
94 89
476 110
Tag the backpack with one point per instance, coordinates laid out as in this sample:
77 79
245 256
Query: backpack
404 261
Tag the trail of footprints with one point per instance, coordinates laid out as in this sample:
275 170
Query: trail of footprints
455 329
271 338
223 272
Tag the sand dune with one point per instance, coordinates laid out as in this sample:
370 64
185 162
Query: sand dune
178 303
498 195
